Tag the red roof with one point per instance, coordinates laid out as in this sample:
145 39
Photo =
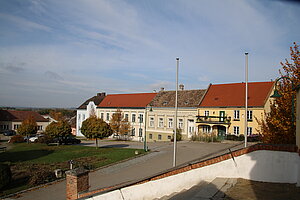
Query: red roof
18 116
226 95
139 100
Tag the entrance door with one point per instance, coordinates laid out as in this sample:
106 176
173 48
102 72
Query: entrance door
221 132
191 127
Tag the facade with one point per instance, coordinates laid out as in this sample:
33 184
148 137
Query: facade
133 107
161 114
86 109
222 110
12 120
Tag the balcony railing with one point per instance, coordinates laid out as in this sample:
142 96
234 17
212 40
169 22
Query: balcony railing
213 119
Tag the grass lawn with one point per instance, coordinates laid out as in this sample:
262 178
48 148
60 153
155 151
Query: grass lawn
29 160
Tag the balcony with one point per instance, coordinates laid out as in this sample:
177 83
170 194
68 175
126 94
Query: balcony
213 120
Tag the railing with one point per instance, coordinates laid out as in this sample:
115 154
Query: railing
213 119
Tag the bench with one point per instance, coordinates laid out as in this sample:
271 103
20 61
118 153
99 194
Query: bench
2 148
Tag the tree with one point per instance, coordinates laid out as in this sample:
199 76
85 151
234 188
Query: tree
279 126
95 128
28 127
58 129
119 124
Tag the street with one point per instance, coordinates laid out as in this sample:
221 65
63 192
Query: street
159 159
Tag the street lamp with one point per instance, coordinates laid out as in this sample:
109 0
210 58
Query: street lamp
276 93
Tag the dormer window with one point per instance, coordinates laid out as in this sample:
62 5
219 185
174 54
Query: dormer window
165 103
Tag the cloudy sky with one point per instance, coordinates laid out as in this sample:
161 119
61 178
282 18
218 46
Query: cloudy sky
58 53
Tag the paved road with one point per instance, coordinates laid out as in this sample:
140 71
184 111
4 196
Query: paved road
160 159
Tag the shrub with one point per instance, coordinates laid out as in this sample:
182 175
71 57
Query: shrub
40 176
16 139
5 175
205 138
44 139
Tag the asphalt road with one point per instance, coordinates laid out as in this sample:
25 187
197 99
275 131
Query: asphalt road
160 159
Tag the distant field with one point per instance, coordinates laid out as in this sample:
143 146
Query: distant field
28 160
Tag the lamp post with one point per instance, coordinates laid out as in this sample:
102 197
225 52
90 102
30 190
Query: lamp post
246 99
145 137
278 95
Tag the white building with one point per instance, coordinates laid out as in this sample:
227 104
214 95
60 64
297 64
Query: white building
86 109
133 107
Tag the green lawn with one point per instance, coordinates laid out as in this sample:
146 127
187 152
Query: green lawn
28 159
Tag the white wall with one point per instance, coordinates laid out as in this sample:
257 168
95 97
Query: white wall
83 114
268 166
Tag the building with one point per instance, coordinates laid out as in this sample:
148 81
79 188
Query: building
161 122
12 120
86 109
133 107
222 109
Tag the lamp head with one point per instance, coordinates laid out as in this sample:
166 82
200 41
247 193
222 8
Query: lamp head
276 94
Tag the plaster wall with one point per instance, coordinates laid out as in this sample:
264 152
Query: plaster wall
268 166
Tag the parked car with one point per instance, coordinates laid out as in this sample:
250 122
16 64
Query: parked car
9 133
27 137
66 140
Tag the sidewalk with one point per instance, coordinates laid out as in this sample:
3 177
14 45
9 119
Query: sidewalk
160 159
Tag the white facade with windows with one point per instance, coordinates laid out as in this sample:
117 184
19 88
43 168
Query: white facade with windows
136 118
83 114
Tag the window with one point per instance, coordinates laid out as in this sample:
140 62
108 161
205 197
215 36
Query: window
150 136
180 123
141 118
133 132
140 132
249 115
206 129
151 122
107 116
133 118
78 116
206 113
249 130
16 126
170 122
159 137
161 122
236 130
236 114
4 127
39 128
169 137
102 115
126 117
83 117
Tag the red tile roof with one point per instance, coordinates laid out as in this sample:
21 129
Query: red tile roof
139 100
233 95
18 116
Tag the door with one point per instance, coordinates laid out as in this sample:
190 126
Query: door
191 127
221 132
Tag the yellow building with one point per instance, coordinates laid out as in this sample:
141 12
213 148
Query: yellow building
161 114
222 109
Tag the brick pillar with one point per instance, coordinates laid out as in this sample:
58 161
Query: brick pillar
77 181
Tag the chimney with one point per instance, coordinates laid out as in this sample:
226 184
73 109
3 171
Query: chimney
77 181
162 89
102 94
181 87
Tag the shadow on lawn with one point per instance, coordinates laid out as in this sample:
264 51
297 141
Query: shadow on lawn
115 146
20 156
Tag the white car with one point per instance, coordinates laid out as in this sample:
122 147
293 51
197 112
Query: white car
33 139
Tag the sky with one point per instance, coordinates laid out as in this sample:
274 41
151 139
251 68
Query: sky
58 53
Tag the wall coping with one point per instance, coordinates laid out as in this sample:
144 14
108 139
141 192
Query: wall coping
194 165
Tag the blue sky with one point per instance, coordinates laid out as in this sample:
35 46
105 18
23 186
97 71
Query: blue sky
56 53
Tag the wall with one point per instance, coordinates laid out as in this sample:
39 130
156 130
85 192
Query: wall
185 114
229 112
136 125
252 163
